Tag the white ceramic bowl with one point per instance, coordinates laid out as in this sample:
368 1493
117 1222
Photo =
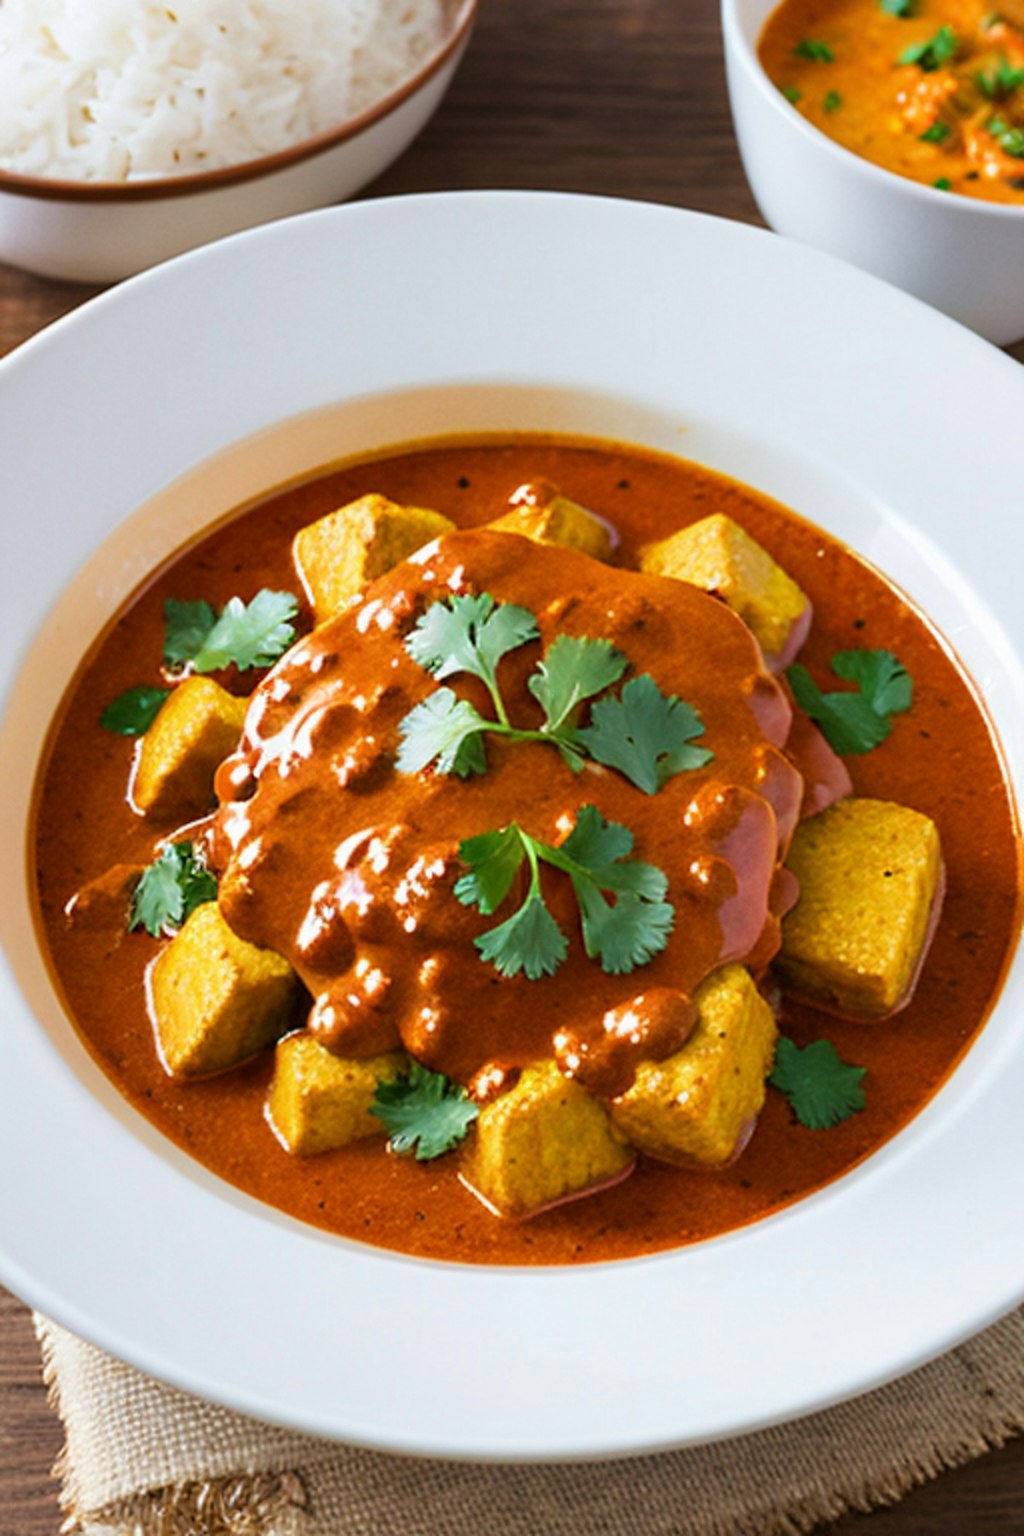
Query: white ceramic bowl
404 319
962 255
100 232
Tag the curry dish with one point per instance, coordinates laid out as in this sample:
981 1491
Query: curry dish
524 851
931 89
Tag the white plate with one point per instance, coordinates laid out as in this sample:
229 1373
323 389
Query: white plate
884 422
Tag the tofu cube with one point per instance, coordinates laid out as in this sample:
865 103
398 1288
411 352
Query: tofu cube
871 883
191 736
340 554
216 1000
720 556
699 1105
541 1142
319 1101
541 513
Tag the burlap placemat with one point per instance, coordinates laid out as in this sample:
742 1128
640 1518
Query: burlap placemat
142 1459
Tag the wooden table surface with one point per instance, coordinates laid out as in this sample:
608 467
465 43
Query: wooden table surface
621 97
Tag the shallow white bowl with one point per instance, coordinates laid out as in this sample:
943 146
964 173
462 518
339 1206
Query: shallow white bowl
405 319
99 232
962 255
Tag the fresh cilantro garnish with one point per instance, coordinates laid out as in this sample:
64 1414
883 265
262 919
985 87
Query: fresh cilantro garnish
899 7
644 733
938 133
244 634
133 712
853 723
169 889
1010 140
1000 82
424 1112
822 1089
933 52
819 53
622 934
792 93
942 184
832 101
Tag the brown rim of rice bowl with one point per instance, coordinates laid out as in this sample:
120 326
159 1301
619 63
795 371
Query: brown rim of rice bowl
153 187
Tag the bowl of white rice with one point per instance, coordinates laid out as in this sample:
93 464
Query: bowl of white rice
133 130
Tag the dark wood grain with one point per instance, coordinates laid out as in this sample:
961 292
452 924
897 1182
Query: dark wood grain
624 98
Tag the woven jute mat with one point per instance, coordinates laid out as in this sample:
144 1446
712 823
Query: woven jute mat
142 1459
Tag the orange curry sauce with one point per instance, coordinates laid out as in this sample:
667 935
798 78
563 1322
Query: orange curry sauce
930 89
940 759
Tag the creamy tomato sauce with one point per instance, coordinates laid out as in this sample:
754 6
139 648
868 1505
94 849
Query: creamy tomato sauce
940 759
935 93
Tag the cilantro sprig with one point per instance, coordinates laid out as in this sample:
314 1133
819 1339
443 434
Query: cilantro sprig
247 635
822 1089
170 889
622 934
930 54
644 734
854 722
818 52
996 84
133 712
423 1112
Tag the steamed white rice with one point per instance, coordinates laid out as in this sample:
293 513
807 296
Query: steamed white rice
114 90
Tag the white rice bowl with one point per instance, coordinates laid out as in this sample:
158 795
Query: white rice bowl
122 90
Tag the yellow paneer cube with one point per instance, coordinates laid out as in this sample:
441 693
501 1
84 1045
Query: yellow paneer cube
340 554
541 513
698 1104
543 1140
319 1101
870 876
191 736
215 999
720 556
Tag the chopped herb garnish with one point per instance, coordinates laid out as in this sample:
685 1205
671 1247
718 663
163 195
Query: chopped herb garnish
832 101
822 1089
933 52
942 184
133 712
854 722
899 7
1000 82
792 93
243 634
423 1112
938 133
170 889
1011 141
644 733
818 52
623 934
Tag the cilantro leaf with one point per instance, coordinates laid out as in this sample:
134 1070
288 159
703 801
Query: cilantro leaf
470 634
170 889
423 1112
494 859
574 668
249 634
854 723
133 712
938 133
899 7
623 933
1000 82
444 727
822 1089
883 680
818 53
645 734
832 101
186 626
933 52
529 941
